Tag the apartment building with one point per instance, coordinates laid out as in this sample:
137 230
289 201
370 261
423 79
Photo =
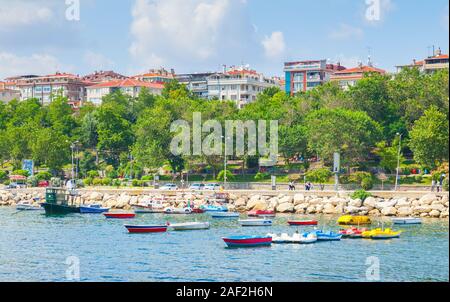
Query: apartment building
429 65
103 76
7 95
197 83
156 76
349 77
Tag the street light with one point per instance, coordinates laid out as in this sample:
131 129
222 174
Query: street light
398 159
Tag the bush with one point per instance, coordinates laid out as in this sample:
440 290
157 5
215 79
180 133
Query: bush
116 183
364 179
32 181
221 176
147 178
3 176
107 181
88 181
93 174
262 176
43 176
55 182
21 172
361 194
97 182
111 172
320 176
418 178
367 184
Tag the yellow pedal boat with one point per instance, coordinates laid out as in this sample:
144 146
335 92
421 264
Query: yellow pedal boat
354 220
381 234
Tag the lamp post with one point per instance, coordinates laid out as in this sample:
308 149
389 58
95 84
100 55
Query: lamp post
398 160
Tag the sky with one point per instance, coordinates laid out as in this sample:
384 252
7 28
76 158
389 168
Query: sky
133 36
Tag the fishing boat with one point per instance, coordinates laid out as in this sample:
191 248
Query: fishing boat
60 201
248 241
189 226
381 234
302 222
211 208
225 215
407 220
28 206
354 220
93 209
328 236
352 233
255 222
177 211
260 213
146 228
119 215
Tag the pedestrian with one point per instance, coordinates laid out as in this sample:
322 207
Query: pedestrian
433 184
441 181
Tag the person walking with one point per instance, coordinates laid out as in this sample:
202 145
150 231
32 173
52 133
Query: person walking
433 185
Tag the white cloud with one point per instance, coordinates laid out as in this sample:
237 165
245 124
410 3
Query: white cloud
19 13
345 32
13 65
98 61
189 31
274 45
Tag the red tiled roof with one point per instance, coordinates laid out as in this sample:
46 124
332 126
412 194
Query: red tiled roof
362 69
242 72
128 83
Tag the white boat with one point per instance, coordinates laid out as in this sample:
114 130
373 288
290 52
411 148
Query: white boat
224 215
189 226
407 220
306 238
255 222
28 206
178 211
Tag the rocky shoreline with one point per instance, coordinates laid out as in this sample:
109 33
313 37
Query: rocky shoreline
428 206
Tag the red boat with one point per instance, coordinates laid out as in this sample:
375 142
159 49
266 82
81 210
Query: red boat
198 211
259 213
146 228
352 232
248 241
120 215
303 222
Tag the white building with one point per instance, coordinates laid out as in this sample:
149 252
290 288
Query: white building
7 95
240 85
131 87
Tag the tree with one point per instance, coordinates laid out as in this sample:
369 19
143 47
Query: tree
60 116
51 148
429 138
353 134
292 141
320 176
388 155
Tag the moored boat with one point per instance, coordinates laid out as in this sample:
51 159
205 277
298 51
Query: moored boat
28 206
407 220
93 209
225 215
260 213
119 215
211 208
198 211
302 222
178 211
60 202
248 241
146 228
189 226
352 233
146 209
255 222
328 236
381 234
354 220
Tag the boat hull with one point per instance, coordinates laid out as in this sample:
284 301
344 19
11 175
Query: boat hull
146 210
303 223
406 221
190 226
225 215
255 223
261 214
23 207
56 209
144 229
119 215
90 210
235 242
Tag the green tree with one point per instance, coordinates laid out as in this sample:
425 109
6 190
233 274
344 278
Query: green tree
388 155
51 148
429 138
320 176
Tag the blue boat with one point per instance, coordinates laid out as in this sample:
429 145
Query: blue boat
328 236
210 208
248 241
93 209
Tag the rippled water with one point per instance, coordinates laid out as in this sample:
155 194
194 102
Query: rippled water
34 247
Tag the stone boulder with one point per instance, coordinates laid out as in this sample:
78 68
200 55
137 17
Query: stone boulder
299 199
405 211
370 202
96 196
329 209
351 210
286 199
285 208
357 203
389 211
428 199
435 214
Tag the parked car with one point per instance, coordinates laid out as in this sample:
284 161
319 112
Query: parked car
169 187
212 187
43 184
197 187
14 185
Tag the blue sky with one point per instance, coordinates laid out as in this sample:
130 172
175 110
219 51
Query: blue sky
132 36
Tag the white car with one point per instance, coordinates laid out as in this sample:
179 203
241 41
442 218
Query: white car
169 187
212 187
197 187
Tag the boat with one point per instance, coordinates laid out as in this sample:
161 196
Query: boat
145 209
303 222
198 211
119 215
255 222
381 234
305 238
277 239
146 228
407 220
328 236
248 241
225 215
354 220
28 206
211 208
189 226
261 213
178 211
93 209
352 233
60 201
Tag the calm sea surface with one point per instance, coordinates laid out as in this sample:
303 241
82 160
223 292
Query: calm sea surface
34 247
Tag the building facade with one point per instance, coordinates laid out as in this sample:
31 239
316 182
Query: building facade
7 95
349 77
103 76
429 65
156 76
131 87
197 83
303 76
240 85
